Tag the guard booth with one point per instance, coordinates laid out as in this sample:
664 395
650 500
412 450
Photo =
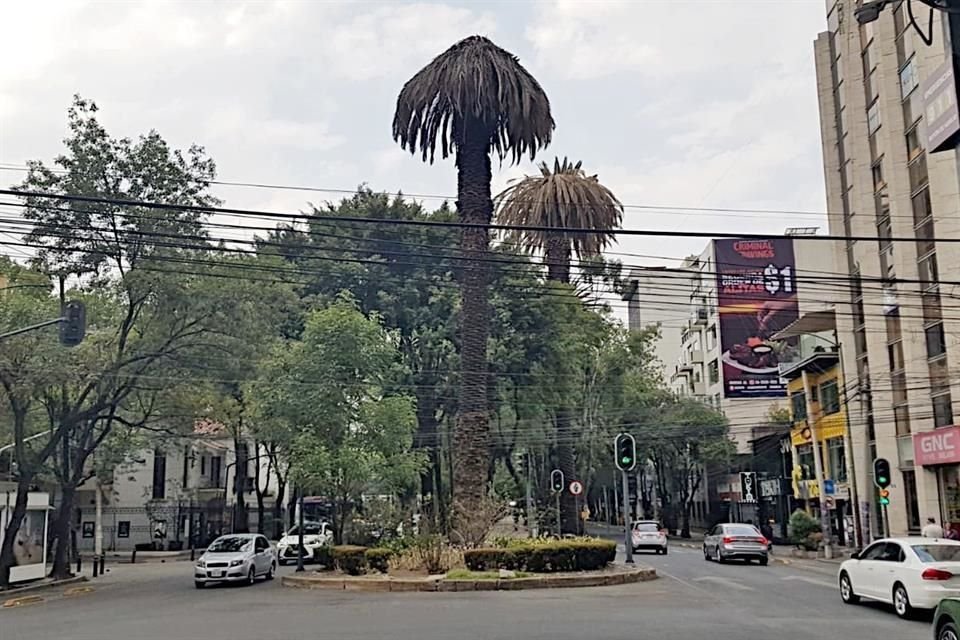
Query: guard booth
30 545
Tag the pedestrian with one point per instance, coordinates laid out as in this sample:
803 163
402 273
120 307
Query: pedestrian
932 529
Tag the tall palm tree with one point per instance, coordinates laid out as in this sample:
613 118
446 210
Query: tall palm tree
474 99
562 198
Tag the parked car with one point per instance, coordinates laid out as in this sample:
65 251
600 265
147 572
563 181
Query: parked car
649 535
315 535
736 541
946 620
238 557
909 573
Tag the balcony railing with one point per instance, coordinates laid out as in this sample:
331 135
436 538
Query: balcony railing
817 350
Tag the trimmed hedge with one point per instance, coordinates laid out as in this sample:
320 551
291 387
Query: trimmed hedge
324 556
350 559
378 558
580 554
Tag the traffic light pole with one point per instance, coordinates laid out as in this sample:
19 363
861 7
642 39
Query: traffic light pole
627 541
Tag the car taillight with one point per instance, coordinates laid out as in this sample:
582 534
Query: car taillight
936 574
763 540
727 540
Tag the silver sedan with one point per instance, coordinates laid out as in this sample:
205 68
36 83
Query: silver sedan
240 557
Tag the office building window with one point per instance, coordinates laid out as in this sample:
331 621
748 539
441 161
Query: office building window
877 171
928 271
908 78
922 209
942 411
829 397
714 371
936 342
838 459
216 466
901 420
159 475
873 117
798 401
203 465
805 459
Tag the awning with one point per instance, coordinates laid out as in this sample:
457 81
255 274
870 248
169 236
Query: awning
810 322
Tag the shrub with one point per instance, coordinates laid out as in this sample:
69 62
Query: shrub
324 556
430 552
350 559
804 530
378 558
542 556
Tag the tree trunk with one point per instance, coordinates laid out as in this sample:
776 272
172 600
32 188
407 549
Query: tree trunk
557 257
61 533
278 508
426 439
241 521
261 507
472 433
685 525
13 526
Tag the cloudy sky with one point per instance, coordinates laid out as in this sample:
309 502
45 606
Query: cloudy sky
694 103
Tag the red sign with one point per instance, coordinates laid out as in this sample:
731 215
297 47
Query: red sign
940 446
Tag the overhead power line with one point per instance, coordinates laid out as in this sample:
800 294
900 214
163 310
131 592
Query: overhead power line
437 223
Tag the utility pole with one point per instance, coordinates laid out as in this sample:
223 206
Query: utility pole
825 526
848 444
300 529
98 525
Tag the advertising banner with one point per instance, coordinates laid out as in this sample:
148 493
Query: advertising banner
757 297
940 98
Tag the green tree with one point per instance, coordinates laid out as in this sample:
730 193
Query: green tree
561 198
348 437
473 99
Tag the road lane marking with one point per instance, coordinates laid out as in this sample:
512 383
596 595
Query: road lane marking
726 582
23 601
821 583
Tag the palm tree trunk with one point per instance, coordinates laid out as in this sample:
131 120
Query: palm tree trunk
557 257
471 435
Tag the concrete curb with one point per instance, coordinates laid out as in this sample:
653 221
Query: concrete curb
16 592
441 584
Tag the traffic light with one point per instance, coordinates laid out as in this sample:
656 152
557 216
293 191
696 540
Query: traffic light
625 451
556 481
73 324
881 473
884 497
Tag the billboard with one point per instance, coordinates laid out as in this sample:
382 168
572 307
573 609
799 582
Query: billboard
757 297
941 110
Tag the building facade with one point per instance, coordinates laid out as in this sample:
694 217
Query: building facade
891 169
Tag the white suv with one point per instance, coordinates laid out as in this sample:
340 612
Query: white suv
315 535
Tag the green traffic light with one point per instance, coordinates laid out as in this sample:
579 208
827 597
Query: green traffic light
625 460
881 480
884 501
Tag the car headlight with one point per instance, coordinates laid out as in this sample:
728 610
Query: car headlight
202 563
236 563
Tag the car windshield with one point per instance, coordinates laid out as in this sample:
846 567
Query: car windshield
229 544
646 527
309 529
937 552
740 530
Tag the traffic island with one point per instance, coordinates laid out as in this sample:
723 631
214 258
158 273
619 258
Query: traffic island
615 575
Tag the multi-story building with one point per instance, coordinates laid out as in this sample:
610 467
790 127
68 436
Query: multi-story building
178 489
731 299
889 127
645 293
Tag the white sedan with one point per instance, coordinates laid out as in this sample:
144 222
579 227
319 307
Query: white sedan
909 573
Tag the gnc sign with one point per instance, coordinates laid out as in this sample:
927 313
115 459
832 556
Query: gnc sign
940 446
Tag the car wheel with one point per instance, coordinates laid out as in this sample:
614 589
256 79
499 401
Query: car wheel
665 550
764 561
948 631
272 572
846 590
901 602
706 554
198 584
718 556
252 576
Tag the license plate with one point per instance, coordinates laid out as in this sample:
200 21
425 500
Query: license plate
217 574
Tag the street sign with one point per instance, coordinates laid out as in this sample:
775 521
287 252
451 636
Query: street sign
829 488
748 486
576 487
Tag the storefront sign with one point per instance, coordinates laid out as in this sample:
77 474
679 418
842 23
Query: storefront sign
757 297
940 446
771 487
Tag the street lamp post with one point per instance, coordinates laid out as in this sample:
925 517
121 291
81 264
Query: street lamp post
300 529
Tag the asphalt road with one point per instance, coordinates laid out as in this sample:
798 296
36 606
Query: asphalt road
692 599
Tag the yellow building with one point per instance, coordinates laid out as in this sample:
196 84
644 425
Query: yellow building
828 422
